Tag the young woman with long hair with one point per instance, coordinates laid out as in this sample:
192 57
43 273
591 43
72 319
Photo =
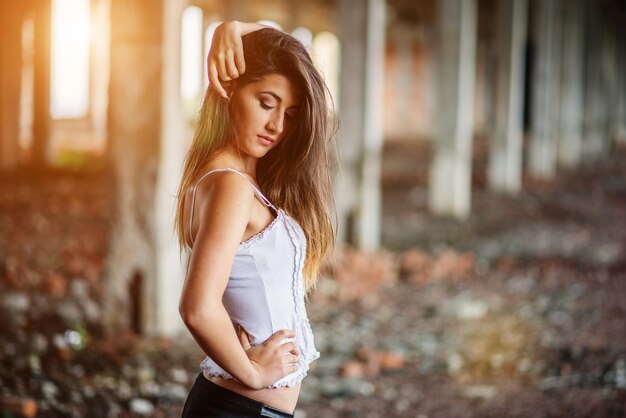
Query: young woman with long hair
254 211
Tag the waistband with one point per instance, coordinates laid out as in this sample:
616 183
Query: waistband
226 394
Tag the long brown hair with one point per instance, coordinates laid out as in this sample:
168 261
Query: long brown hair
296 174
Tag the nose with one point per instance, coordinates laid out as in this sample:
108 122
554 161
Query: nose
276 123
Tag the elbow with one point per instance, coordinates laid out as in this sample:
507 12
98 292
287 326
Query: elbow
191 317
192 320
194 317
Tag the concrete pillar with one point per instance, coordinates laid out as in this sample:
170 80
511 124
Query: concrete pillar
403 115
169 271
98 71
134 134
449 190
361 27
11 17
570 142
545 129
41 86
620 134
505 160
611 75
594 141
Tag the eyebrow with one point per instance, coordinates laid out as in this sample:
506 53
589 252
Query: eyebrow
277 97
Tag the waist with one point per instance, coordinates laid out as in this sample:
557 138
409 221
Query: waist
283 398
259 313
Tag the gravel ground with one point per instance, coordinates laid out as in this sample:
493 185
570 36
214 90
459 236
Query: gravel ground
517 312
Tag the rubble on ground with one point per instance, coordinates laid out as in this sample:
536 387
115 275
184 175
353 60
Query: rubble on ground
518 312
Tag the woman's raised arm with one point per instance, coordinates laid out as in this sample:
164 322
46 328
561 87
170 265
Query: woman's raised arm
225 60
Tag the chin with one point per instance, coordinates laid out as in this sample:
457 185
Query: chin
257 153
263 151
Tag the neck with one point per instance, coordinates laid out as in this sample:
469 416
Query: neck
230 157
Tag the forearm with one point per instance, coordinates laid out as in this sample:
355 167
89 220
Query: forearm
216 335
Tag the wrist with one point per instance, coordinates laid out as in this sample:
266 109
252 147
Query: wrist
253 378
248 27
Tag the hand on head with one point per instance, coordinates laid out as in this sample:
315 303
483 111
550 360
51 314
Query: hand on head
225 60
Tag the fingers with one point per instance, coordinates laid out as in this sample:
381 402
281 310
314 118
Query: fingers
289 347
277 357
215 82
289 368
226 65
221 67
292 368
294 350
231 66
243 337
239 61
225 60
284 333
284 339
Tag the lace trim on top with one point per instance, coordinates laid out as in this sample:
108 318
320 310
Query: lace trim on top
259 235
257 192
304 335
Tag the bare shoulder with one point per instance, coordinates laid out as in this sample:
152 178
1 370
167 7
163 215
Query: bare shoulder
223 205
223 198
223 187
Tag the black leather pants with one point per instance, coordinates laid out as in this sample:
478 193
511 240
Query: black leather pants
206 399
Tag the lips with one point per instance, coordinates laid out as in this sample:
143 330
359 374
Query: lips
266 140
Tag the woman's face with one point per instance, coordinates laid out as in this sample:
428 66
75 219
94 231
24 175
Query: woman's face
263 112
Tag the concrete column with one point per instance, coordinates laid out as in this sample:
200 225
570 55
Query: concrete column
449 190
593 139
41 87
174 142
620 135
546 90
570 142
611 75
505 162
98 70
134 132
361 27
11 17
404 119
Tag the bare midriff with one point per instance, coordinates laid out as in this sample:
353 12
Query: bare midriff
284 398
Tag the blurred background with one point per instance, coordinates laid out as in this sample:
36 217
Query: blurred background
480 193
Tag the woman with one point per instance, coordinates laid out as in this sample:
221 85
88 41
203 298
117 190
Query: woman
253 210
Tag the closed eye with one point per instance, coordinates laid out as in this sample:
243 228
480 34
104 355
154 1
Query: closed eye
265 105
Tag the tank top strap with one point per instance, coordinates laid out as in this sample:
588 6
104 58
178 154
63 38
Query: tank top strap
260 195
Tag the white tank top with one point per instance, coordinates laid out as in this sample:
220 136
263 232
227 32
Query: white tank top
265 290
